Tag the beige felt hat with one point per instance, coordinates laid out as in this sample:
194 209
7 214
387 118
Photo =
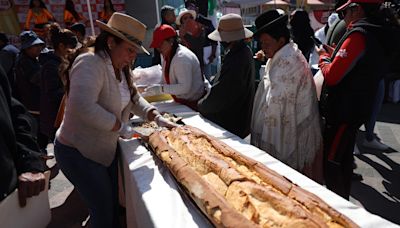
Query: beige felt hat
126 28
230 28
183 12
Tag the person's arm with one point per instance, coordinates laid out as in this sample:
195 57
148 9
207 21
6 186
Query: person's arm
352 49
142 108
212 54
68 18
148 112
48 15
7 62
83 19
29 165
226 88
28 20
183 71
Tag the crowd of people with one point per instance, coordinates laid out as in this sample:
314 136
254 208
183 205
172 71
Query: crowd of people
79 93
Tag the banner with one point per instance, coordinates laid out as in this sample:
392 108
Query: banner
56 7
8 18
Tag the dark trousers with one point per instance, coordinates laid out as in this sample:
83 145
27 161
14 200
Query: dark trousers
96 183
370 124
339 143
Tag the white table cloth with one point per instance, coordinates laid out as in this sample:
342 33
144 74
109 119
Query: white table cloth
154 199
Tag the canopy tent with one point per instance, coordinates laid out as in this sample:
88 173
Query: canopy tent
248 2
317 4
275 4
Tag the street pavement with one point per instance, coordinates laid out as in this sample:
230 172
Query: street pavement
378 192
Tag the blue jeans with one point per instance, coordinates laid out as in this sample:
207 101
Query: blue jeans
370 125
97 184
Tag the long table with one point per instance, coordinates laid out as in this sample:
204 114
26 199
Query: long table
154 199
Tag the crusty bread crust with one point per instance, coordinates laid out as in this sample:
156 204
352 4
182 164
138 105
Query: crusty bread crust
233 190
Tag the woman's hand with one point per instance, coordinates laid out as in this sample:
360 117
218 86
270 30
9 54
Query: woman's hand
162 122
141 88
126 131
325 49
260 56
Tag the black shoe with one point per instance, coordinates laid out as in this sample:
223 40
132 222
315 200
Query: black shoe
357 177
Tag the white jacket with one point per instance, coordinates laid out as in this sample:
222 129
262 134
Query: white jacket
186 79
93 106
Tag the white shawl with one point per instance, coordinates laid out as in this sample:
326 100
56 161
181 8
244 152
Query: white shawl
285 120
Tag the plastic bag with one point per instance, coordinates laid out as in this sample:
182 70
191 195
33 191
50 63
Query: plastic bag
147 76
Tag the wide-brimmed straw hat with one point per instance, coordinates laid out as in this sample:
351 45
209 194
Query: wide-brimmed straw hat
183 12
269 20
126 28
230 28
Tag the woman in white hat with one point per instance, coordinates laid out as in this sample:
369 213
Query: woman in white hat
100 98
229 103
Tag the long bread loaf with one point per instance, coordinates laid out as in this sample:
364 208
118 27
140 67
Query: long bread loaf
233 190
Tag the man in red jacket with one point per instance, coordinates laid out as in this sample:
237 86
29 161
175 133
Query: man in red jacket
351 71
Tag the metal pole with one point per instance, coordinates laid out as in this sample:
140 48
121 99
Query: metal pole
158 12
90 17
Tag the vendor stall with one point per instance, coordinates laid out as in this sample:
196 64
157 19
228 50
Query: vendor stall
154 199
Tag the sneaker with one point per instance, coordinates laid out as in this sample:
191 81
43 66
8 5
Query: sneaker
374 144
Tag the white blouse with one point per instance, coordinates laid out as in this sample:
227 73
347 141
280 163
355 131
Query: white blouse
124 91
186 79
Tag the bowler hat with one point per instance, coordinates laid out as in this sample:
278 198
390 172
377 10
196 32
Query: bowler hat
126 28
269 20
